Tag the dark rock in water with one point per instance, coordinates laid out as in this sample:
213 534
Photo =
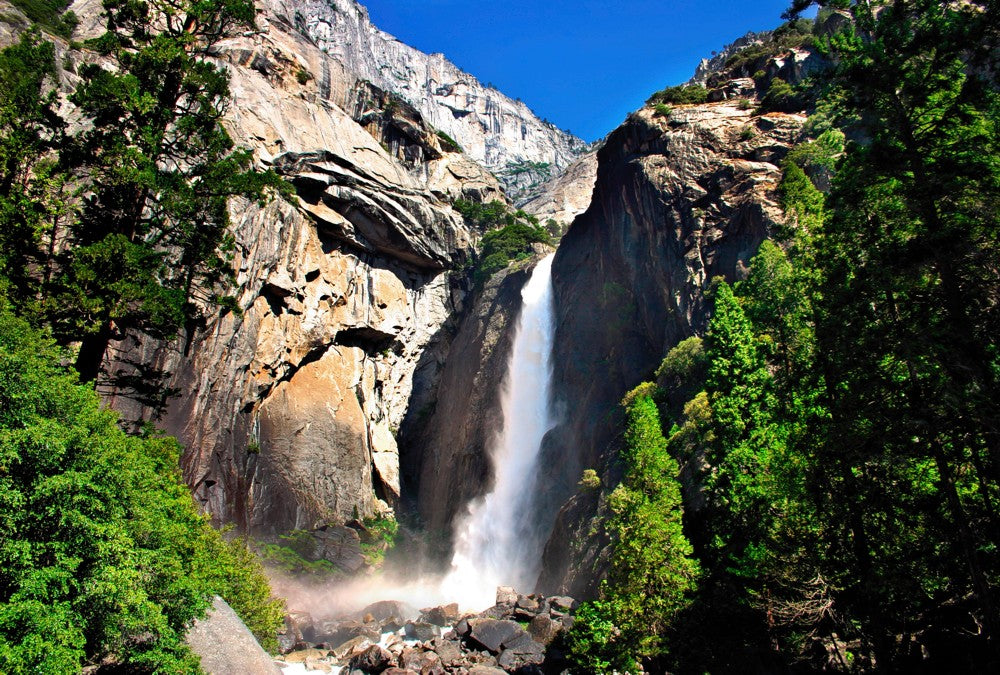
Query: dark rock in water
424 632
373 660
562 603
391 610
226 646
336 633
444 615
543 629
347 649
494 634
299 630
506 595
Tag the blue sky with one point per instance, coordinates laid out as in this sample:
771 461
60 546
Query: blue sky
582 64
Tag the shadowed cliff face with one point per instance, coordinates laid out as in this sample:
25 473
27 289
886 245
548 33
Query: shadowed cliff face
679 199
447 436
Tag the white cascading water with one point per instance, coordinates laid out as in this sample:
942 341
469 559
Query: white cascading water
497 543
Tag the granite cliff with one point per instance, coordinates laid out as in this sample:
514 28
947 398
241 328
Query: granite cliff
288 408
501 133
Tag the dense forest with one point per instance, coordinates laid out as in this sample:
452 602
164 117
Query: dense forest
116 223
838 422
812 485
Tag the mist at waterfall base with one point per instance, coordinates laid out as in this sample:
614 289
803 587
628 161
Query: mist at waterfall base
496 541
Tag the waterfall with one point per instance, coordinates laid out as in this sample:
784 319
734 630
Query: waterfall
497 542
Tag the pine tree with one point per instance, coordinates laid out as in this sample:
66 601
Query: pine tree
151 245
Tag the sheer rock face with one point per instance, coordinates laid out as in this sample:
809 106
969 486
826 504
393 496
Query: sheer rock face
499 132
447 438
288 410
566 196
678 201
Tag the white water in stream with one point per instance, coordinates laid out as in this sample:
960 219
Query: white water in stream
497 543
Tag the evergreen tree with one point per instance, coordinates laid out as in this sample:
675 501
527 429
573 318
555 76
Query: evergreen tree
102 550
151 245
29 130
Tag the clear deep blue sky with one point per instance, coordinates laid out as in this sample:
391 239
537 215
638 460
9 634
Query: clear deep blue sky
582 64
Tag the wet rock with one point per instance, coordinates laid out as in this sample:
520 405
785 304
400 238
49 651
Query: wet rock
444 615
422 631
339 632
391 610
543 629
495 634
506 595
373 660
304 655
348 649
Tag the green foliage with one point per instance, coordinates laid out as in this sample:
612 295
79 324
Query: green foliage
590 480
29 187
150 249
781 97
652 572
511 242
449 143
662 110
595 643
102 550
379 536
50 15
303 76
295 555
680 95
796 33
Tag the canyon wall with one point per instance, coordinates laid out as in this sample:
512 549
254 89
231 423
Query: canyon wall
289 408
679 199
501 133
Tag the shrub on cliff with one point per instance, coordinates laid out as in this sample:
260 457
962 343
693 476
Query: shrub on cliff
680 95
102 550
653 571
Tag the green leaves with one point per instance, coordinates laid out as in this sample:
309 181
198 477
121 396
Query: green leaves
102 551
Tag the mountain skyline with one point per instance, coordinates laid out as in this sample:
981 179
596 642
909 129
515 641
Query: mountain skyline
584 66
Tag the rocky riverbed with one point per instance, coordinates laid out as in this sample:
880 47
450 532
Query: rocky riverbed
519 634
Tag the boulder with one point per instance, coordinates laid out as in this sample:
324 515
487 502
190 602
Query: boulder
506 595
543 629
372 661
495 634
562 603
443 615
338 632
419 630
391 610
226 646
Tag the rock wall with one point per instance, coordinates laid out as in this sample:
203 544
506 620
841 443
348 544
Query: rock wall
679 200
447 437
502 134
566 196
289 409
